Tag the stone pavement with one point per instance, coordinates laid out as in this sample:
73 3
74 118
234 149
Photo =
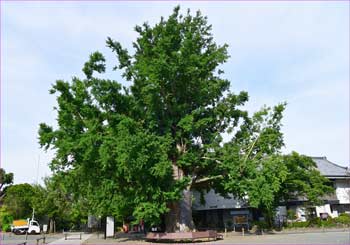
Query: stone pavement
72 238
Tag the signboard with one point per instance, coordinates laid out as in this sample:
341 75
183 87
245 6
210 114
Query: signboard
242 219
110 227
44 228
323 215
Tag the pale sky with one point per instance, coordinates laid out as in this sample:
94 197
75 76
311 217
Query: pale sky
296 52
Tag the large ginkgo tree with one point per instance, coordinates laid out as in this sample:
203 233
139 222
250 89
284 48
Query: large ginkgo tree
141 150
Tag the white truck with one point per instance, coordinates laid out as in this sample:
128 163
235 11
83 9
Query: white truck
20 227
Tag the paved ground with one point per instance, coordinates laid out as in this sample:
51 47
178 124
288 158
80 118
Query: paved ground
10 238
305 238
335 237
72 238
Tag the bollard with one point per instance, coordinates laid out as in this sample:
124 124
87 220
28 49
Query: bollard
26 235
225 231
242 231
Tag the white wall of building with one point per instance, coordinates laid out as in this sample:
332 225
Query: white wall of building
326 209
343 191
215 201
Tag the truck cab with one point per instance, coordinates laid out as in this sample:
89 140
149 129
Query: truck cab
34 227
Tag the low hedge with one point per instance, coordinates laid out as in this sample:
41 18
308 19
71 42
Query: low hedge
343 219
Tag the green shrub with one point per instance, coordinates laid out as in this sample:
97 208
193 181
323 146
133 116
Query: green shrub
343 219
328 223
317 222
5 219
6 227
260 224
300 224
314 222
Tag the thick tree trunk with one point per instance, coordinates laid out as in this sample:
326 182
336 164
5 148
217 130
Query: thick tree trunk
172 217
186 221
179 218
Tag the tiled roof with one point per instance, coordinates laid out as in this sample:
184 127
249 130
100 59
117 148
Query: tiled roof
330 169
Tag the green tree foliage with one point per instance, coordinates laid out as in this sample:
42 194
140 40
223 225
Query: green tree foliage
5 180
135 150
284 178
179 93
141 150
259 173
107 161
52 201
304 180
18 200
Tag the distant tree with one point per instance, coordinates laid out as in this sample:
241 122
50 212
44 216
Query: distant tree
18 200
5 180
54 202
